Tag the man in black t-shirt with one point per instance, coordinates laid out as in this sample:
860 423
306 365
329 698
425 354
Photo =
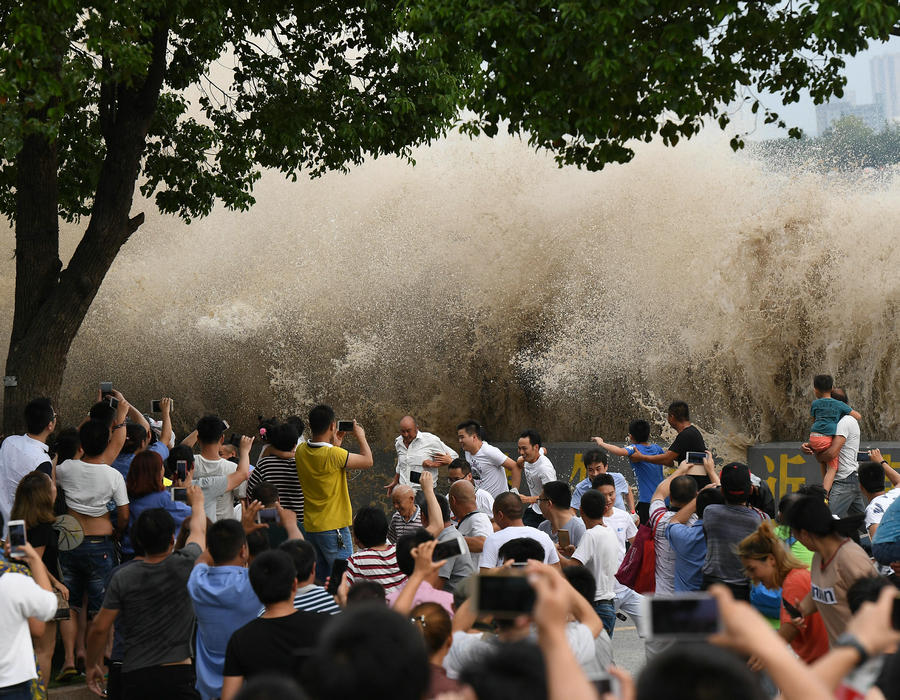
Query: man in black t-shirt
689 439
282 638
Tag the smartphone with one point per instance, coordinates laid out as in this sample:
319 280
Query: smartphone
105 388
603 685
505 593
346 426
895 613
225 423
681 615
445 550
695 457
179 493
112 401
863 457
156 408
791 610
415 477
181 469
563 536
267 515
17 538
337 573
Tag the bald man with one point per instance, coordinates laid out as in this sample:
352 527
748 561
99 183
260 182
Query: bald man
417 451
472 524
407 515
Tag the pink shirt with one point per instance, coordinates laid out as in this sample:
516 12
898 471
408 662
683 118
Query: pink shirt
426 594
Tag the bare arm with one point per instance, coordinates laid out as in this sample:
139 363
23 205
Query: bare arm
288 520
364 459
889 471
123 513
96 644
231 686
662 491
612 449
710 468
476 544
238 477
435 518
137 417
424 567
515 471
629 499
190 440
667 457
856 414
165 435
198 517
117 438
684 515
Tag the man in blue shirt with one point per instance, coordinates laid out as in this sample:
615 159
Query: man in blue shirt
223 600
138 437
688 540
648 475
596 462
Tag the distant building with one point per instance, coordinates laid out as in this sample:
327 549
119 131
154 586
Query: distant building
885 71
873 115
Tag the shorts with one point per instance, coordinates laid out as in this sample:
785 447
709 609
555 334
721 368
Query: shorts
820 443
87 569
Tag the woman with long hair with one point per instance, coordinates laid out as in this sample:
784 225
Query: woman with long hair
437 630
146 490
767 560
34 499
837 560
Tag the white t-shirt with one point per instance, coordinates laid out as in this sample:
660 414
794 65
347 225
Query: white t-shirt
423 447
537 474
467 648
20 598
484 501
214 488
599 552
19 454
847 464
476 524
217 467
490 554
621 523
89 487
879 504
487 469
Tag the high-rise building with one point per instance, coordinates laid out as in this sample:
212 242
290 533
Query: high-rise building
872 115
885 71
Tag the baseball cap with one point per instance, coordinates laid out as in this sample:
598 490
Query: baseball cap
735 478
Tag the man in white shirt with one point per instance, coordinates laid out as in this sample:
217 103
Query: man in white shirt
210 434
508 516
538 471
417 451
599 552
460 470
471 523
844 498
488 463
871 481
20 454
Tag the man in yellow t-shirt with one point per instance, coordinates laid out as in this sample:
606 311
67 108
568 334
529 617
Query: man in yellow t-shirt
322 466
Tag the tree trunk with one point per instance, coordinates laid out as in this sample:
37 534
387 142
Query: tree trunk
51 306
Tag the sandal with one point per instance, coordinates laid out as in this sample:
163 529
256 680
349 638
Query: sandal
67 674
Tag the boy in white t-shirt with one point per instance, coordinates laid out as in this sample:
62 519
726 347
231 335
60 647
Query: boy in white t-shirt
210 434
599 552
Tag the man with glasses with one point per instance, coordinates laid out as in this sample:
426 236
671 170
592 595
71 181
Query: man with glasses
459 469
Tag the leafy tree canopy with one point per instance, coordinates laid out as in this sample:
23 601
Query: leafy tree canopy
585 77
293 86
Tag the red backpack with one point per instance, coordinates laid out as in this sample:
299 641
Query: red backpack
638 568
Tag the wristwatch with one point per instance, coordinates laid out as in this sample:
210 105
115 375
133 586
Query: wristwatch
849 640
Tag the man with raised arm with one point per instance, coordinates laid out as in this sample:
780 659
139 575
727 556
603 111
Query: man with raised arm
322 466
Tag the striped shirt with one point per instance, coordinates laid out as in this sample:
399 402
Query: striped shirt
313 598
400 526
282 474
379 565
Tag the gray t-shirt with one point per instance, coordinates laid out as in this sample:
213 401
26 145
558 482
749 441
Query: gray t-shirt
456 568
575 528
725 526
155 609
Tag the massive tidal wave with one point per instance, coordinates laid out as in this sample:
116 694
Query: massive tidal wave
486 282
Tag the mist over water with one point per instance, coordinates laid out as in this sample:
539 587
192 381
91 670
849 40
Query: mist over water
486 282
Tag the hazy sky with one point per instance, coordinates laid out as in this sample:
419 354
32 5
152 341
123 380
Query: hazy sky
803 114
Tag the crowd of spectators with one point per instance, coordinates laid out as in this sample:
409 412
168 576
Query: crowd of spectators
160 568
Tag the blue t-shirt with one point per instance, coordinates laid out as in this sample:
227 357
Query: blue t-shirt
224 602
122 463
648 475
689 544
827 413
160 499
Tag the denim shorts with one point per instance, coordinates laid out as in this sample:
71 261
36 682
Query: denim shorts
86 569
